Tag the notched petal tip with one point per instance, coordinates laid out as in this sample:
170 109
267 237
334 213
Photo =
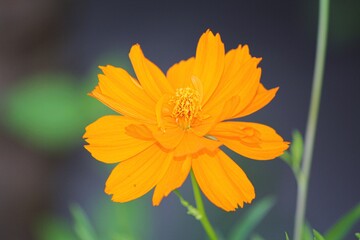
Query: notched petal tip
208 31
245 48
211 33
94 92
106 67
223 182
257 60
90 94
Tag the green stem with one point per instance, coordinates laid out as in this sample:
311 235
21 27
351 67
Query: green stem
200 206
303 178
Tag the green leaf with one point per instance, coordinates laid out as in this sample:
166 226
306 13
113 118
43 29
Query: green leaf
293 156
340 229
251 219
357 235
286 157
306 233
286 236
50 228
317 235
191 210
296 149
82 226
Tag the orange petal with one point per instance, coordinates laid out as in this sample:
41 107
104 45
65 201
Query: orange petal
139 131
149 75
109 142
191 144
230 107
135 177
209 62
234 60
173 179
252 140
209 118
247 92
261 99
168 138
119 91
222 181
240 79
179 75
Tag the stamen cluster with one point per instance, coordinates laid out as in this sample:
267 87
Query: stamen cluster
186 107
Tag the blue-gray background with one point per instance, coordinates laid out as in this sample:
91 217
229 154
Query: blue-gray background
66 37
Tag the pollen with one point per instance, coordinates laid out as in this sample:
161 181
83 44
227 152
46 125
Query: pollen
186 106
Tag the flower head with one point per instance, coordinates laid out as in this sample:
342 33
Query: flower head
174 123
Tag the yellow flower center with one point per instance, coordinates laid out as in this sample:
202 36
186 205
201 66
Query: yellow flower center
186 106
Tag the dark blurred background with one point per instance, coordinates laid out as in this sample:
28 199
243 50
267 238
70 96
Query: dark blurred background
49 53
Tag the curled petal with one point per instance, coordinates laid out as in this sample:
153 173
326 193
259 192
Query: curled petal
191 144
182 142
252 140
169 137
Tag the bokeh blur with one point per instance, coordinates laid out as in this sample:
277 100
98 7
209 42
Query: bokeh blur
49 53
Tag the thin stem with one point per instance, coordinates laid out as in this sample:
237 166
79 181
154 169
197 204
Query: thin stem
303 178
200 206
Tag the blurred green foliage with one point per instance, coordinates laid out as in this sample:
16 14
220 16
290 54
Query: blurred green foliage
130 221
287 236
307 234
51 110
344 22
357 235
342 227
246 225
107 221
45 110
317 235
53 228
82 225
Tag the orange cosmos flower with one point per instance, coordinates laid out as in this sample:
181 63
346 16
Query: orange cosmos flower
175 123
